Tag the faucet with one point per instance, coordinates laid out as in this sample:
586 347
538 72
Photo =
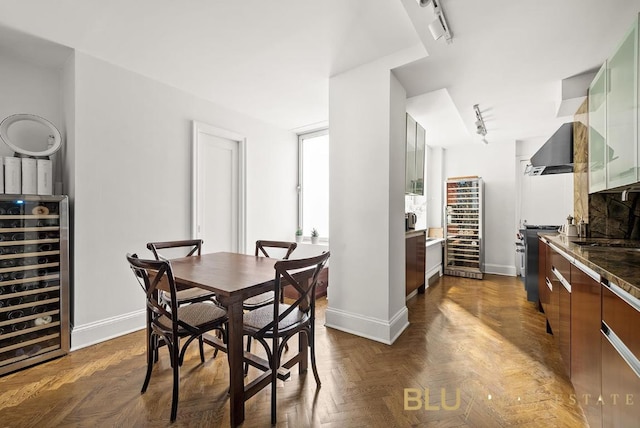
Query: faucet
625 195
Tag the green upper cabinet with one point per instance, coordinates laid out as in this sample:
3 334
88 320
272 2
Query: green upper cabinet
411 155
416 147
622 112
598 131
613 119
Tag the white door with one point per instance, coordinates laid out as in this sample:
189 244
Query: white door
218 188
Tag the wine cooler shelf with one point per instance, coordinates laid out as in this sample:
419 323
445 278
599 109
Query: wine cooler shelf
34 280
464 254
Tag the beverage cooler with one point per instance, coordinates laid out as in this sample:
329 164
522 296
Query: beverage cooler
464 240
34 280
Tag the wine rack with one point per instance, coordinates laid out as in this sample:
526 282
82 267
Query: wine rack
464 244
34 280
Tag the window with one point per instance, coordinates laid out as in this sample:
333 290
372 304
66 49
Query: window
313 182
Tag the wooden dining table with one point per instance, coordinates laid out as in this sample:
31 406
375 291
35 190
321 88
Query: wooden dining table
234 278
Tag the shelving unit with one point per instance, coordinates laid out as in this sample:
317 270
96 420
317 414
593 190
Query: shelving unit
34 280
464 243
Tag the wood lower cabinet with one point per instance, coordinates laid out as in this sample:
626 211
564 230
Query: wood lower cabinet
415 261
595 324
544 293
620 388
564 326
586 358
620 357
321 286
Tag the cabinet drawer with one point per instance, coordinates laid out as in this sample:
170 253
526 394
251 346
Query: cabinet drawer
621 312
620 387
560 264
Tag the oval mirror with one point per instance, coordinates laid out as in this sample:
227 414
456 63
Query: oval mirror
30 135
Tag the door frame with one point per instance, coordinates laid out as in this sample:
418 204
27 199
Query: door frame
197 128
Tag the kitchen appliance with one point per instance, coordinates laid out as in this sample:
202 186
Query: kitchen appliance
464 234
520 255
569 229
556 155
531 260
410 220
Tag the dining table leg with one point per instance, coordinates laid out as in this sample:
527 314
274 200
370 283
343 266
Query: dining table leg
235 353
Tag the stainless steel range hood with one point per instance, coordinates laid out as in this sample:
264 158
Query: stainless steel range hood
556 155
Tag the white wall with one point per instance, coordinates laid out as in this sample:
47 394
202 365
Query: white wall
543 199
367 150
435 185
29 88
132 185
495 164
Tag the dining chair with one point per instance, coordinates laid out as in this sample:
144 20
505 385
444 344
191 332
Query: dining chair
280 322
172 322
266 299
192 246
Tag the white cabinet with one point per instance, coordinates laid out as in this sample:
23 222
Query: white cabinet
415 157
613 119
622 113
598 131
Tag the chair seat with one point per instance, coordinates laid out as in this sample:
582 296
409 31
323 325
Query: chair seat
197 315
257 301
189 294
257 319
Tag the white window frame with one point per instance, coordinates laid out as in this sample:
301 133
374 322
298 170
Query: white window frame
301 137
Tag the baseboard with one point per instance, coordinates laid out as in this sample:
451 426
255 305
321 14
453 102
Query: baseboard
500 269
433 275
100 331
371 328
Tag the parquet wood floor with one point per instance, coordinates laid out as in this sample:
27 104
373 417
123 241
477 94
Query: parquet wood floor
478 344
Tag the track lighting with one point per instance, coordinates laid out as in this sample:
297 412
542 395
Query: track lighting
438 27
481 129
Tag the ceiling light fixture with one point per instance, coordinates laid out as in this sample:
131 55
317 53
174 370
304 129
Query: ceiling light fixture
439 26
481 129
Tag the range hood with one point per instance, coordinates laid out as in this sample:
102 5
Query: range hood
556 155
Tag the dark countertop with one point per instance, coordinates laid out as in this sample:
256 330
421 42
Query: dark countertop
414 232
617 264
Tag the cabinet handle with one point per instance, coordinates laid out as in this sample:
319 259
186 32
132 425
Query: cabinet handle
549 285
563 281
621 348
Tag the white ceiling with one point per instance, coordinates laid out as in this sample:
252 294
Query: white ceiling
272 59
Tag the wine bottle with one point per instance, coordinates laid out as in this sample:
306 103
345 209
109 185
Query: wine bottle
14 211
42 260
19 326
14 301
18 313
39 309
45 247
17 275
43 296
17 237
7 263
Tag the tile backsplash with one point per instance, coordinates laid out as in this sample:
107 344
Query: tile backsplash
417 204
610 217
